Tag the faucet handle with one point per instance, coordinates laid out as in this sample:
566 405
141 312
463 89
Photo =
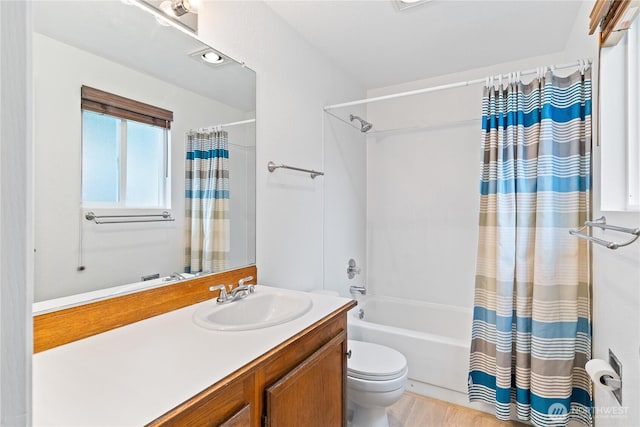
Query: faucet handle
352 269
223 292
244 280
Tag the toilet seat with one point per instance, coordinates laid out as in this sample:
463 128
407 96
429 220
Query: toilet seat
385 386
374 362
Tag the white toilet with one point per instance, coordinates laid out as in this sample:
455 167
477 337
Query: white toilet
376 377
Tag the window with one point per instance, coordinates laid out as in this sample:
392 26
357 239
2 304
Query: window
125 149
620 124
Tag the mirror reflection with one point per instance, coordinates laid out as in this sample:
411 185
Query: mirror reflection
145 153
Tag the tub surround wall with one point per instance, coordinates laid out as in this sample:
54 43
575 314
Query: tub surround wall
345 203
60 70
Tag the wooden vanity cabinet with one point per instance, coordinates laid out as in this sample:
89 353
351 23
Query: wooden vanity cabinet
301 382
312 394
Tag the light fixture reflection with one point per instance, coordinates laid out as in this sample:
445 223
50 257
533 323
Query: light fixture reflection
175 9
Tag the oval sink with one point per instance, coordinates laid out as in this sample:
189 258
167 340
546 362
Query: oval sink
258 310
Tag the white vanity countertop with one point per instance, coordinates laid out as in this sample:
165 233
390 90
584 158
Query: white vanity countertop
131 375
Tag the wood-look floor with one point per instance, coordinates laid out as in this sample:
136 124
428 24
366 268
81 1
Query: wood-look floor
413 410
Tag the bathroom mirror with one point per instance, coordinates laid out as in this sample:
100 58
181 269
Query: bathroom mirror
124 49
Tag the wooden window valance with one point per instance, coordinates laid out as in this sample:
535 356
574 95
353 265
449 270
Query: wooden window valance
613 17
103 102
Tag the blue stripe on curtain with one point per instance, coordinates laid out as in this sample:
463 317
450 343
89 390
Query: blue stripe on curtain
531 331
207 194
526 324
535 185
208 154
520 118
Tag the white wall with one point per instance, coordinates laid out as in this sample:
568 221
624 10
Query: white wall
136 249
16 238
294 82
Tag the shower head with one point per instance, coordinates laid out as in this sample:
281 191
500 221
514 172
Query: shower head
365 126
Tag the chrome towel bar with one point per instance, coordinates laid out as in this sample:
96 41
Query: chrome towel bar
122 219
272 166
602 223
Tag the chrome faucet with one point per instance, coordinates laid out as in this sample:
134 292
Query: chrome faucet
239 292
178 276
243 289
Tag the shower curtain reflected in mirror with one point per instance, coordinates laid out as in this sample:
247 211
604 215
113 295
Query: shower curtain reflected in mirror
531 334
207 238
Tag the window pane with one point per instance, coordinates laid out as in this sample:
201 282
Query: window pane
145 165
100 157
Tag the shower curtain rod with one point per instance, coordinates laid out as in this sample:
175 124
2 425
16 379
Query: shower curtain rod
577 63
226 125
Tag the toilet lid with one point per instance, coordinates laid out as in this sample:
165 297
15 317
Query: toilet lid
374 362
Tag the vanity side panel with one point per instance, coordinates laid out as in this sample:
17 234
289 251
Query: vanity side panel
67 325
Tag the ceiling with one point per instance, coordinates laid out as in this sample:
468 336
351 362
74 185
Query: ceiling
380 45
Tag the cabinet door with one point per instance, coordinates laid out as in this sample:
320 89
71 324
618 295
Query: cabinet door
313 393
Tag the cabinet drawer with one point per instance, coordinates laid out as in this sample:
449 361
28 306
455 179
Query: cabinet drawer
304 347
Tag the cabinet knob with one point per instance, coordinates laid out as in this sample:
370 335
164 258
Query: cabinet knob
349 354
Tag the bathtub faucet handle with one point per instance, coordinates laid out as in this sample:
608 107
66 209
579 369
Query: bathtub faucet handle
357 290
352 269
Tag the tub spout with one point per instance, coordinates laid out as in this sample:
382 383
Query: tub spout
357 290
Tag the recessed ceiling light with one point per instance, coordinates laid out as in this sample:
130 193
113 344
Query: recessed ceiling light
212 57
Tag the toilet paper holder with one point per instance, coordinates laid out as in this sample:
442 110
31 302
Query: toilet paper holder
611 382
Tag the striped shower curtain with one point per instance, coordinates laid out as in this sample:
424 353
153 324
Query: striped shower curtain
531 334
207 238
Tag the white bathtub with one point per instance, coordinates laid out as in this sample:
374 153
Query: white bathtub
435 339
